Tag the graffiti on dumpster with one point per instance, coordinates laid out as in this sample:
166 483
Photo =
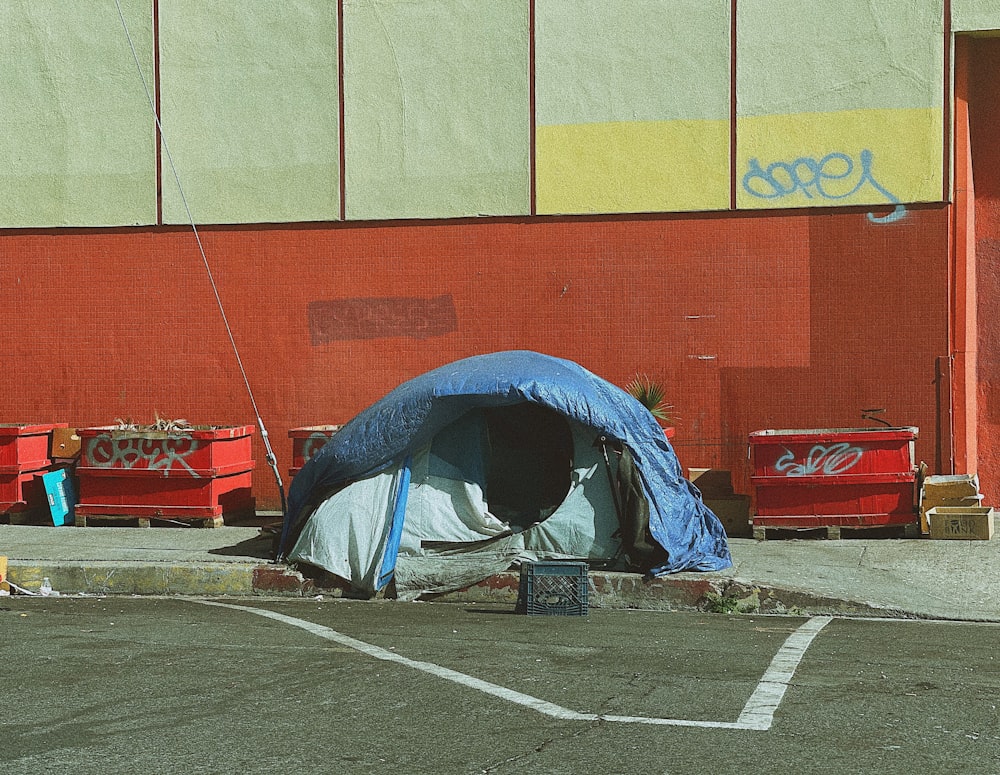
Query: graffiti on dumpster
819 178
823 460
156 454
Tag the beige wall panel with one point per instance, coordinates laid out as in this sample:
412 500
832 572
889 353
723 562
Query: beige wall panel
437 118
250 110
632 105
77 141
975 15
839 102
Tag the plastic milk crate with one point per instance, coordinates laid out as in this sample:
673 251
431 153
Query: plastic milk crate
553 589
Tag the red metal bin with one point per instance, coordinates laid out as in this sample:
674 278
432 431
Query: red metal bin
21 493
202 473
26 447
839 477
306 442
24 457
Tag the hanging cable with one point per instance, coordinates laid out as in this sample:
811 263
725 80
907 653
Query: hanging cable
269 453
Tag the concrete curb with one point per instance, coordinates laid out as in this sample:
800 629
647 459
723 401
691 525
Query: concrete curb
134 578
607 590
683 592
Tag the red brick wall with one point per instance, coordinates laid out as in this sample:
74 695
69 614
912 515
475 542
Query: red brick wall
984 112
753 320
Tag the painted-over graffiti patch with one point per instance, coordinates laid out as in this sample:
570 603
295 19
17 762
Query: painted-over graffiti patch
377 318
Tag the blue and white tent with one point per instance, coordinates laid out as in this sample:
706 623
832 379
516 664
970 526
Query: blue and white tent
466 469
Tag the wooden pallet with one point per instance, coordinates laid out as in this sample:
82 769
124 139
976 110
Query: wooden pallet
124 520
835 532
26 518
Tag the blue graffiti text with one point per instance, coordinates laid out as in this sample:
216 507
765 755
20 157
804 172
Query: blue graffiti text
825 178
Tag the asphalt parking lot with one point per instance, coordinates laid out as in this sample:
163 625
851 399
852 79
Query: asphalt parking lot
128 685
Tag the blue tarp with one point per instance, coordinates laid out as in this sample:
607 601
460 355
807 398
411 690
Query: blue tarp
408 418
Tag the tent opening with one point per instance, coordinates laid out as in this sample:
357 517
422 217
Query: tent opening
531 458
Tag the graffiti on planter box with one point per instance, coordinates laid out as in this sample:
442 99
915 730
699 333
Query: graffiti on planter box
137 452
821 178
314 444
822 460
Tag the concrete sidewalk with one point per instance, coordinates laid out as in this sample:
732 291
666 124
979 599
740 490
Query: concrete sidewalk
879 577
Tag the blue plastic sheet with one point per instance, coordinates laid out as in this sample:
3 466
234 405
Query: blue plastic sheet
396 529
408 418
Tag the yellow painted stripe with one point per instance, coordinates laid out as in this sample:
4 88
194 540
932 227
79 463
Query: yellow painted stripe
641 166
854 157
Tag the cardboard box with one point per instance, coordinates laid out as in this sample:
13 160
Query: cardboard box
953 486
733 512
65 443
711 481
61 496
949 490
970 500
975 523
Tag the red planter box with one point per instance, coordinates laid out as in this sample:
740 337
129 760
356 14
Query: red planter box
22 492
306 442
852 477
26 447
145 493
192 474
25 454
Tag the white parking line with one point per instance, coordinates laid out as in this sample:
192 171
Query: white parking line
758 713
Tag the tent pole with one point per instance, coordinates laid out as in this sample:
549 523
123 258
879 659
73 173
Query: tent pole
603 441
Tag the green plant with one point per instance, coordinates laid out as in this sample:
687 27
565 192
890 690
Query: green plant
652 395
161 424
715 603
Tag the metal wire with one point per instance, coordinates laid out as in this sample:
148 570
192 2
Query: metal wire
269 452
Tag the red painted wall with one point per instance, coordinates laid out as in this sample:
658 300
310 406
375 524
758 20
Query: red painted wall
984 113
753 320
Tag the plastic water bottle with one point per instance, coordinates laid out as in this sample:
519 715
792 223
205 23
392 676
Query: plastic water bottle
46 589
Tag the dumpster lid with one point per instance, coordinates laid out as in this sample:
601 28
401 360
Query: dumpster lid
842 433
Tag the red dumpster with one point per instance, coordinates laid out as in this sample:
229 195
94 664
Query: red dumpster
840 477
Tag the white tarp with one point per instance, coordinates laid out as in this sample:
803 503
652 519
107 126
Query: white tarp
348 534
